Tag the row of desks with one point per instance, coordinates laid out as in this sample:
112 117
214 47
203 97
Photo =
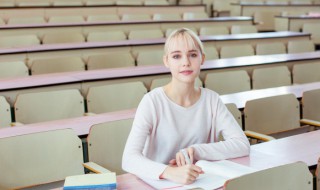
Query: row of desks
81 125
135 46
267 22
126 26
266 155
82 80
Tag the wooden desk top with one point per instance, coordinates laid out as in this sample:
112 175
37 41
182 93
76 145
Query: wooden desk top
69 25
298 17
159 41
241 98
274 4
105 74
81 125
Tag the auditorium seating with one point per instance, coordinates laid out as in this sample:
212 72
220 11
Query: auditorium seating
311 105
106 143
305 73
13 69
276 116
110 60
228 82
270 48
300 46
236 51
5 113
47 106
295 176
114 97
271 77
39 158
55 65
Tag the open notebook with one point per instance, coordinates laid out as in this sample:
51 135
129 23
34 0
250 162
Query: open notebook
215 175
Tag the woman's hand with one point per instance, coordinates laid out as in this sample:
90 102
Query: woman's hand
186 174
180 159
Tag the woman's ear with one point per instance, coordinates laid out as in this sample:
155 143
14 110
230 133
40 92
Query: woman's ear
203 59
165 61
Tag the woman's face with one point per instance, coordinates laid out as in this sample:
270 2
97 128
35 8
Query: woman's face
184 60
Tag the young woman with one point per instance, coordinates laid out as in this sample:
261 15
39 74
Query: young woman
180 116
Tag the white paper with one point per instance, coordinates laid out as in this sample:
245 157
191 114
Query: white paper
215 175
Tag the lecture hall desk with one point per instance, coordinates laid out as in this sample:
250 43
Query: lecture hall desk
294 23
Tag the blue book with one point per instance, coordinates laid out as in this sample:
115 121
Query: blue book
104 181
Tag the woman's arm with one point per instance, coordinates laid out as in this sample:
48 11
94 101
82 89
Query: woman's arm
235 142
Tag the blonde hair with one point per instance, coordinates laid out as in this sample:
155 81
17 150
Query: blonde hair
188 35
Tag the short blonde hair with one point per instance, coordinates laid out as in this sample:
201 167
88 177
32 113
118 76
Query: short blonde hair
187 35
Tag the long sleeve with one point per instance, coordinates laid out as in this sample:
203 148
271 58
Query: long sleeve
235 143
133 160
161 128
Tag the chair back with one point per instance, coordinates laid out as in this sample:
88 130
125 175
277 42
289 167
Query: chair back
311 105
5 113
39 158
106 142
271 77
294 176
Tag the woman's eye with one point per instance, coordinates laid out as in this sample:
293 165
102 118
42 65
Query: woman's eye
176 56
194 55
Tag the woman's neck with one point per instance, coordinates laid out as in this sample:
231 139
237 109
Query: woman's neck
184 94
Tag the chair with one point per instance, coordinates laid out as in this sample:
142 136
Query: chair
168 16
305 73
270 48
228 82
47 106
33 3
311 106
299 2
100 2
235 112
221 7
211 52
155 83
2 22
236 51
67 3
26 20
277 2
294 13
55 65
128 2
243 29
13 69
300 46
145 34
293 176
110 60
156 2
5 113
106 142
215 30
55 38
106 36
65 19
189 2
151 57
7 3
271 77
39 158
274 116
136 17
197 15
103 18
115 97
19 41
264 20
314 30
